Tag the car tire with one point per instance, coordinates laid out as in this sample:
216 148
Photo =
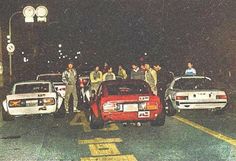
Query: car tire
160 120
95 123
170 111
6 116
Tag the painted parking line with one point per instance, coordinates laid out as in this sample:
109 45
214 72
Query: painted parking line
111 158
101 140
105 149
80 119
208 131
111 127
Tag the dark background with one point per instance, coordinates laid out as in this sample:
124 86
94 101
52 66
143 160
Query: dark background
171 32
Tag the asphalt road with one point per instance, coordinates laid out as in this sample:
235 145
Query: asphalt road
189 136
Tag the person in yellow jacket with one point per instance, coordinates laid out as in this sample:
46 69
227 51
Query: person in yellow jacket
95 78
122 73
151 78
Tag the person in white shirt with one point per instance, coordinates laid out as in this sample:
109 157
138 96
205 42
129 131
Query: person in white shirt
190 71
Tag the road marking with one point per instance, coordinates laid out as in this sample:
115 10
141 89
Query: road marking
103 149
111 158
101 140
206 130
111 127
80 119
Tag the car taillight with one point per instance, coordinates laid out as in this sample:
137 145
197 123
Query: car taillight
151 106
109 106
221 97
46 101
15 103
81 83
181 98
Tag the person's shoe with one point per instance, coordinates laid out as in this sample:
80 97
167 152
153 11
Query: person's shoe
139 124
67 111
132 123
76 110
125 124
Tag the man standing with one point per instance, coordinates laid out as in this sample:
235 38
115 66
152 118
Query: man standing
163 78
122 73
69 77
95 78
109 75
190 71
151 78
137 73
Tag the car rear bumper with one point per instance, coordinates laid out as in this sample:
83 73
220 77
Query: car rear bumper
200 105
128 116
31 110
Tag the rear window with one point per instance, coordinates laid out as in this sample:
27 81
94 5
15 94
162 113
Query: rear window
52 78
128 89
32 88
193 83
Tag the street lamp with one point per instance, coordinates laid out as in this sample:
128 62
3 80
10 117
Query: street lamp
29 12
41 13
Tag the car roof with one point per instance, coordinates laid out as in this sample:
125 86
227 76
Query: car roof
49 74
32 82
128 81
189 77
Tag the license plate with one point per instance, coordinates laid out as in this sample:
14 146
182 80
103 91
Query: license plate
32 103
130 107
143 114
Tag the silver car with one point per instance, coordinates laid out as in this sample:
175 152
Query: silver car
193 93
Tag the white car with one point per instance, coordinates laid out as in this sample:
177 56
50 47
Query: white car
56 79
193 93
32 97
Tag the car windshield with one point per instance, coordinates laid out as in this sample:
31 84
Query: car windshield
193 83
52 78
32 88
128 89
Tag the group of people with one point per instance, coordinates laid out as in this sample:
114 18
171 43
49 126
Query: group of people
156 76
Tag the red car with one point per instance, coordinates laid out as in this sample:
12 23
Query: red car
125 101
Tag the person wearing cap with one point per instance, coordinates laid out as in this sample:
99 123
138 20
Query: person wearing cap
69 77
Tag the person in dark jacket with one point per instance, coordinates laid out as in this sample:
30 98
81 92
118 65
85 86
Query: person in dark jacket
163 78
137 73
109 75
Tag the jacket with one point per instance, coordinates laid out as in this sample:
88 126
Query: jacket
69 77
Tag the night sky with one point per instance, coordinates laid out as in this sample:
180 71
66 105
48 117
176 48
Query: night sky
171 32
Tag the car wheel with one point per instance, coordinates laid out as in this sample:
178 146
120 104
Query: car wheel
61 112
160 120
219 111
170 111
6 116
95 123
